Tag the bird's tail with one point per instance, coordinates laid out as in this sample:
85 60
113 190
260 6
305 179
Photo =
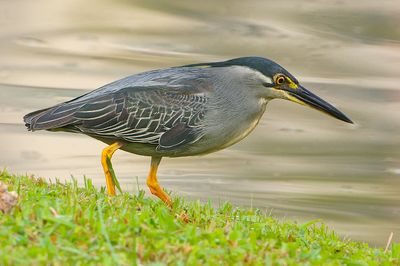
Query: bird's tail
51 118
30 118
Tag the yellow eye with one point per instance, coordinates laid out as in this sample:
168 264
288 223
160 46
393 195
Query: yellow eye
279 80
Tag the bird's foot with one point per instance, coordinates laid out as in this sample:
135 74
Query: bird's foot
184 217
157 191
106 155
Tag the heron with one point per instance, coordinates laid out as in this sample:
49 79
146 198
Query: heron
179 111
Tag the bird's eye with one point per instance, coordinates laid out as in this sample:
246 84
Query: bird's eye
279 80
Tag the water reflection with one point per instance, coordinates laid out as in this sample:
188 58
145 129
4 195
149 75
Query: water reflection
298 163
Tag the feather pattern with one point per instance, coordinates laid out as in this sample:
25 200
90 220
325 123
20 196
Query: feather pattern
140 116
139 109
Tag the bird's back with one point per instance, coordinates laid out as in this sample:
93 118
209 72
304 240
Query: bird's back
139 108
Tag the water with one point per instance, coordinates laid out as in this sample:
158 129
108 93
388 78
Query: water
297 164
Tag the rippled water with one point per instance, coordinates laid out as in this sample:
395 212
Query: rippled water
297 164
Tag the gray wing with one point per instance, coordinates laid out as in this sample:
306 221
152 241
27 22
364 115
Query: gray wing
163 117
161 107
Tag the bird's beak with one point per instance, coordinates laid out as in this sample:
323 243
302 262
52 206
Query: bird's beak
305 97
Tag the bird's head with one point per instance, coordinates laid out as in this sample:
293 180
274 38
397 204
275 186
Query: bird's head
273 81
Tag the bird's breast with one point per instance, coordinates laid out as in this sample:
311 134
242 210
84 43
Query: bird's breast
229 127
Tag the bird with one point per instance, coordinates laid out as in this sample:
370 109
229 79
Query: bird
178 111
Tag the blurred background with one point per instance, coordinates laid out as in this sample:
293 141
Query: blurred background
298 164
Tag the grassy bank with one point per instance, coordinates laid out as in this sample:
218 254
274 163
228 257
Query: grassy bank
61 223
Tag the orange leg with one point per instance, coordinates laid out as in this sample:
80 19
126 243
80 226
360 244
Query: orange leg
152 182
107 167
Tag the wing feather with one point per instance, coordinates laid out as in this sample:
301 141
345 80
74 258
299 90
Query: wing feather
143 116
141 108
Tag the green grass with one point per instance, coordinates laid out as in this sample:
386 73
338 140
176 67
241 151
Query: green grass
64 224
